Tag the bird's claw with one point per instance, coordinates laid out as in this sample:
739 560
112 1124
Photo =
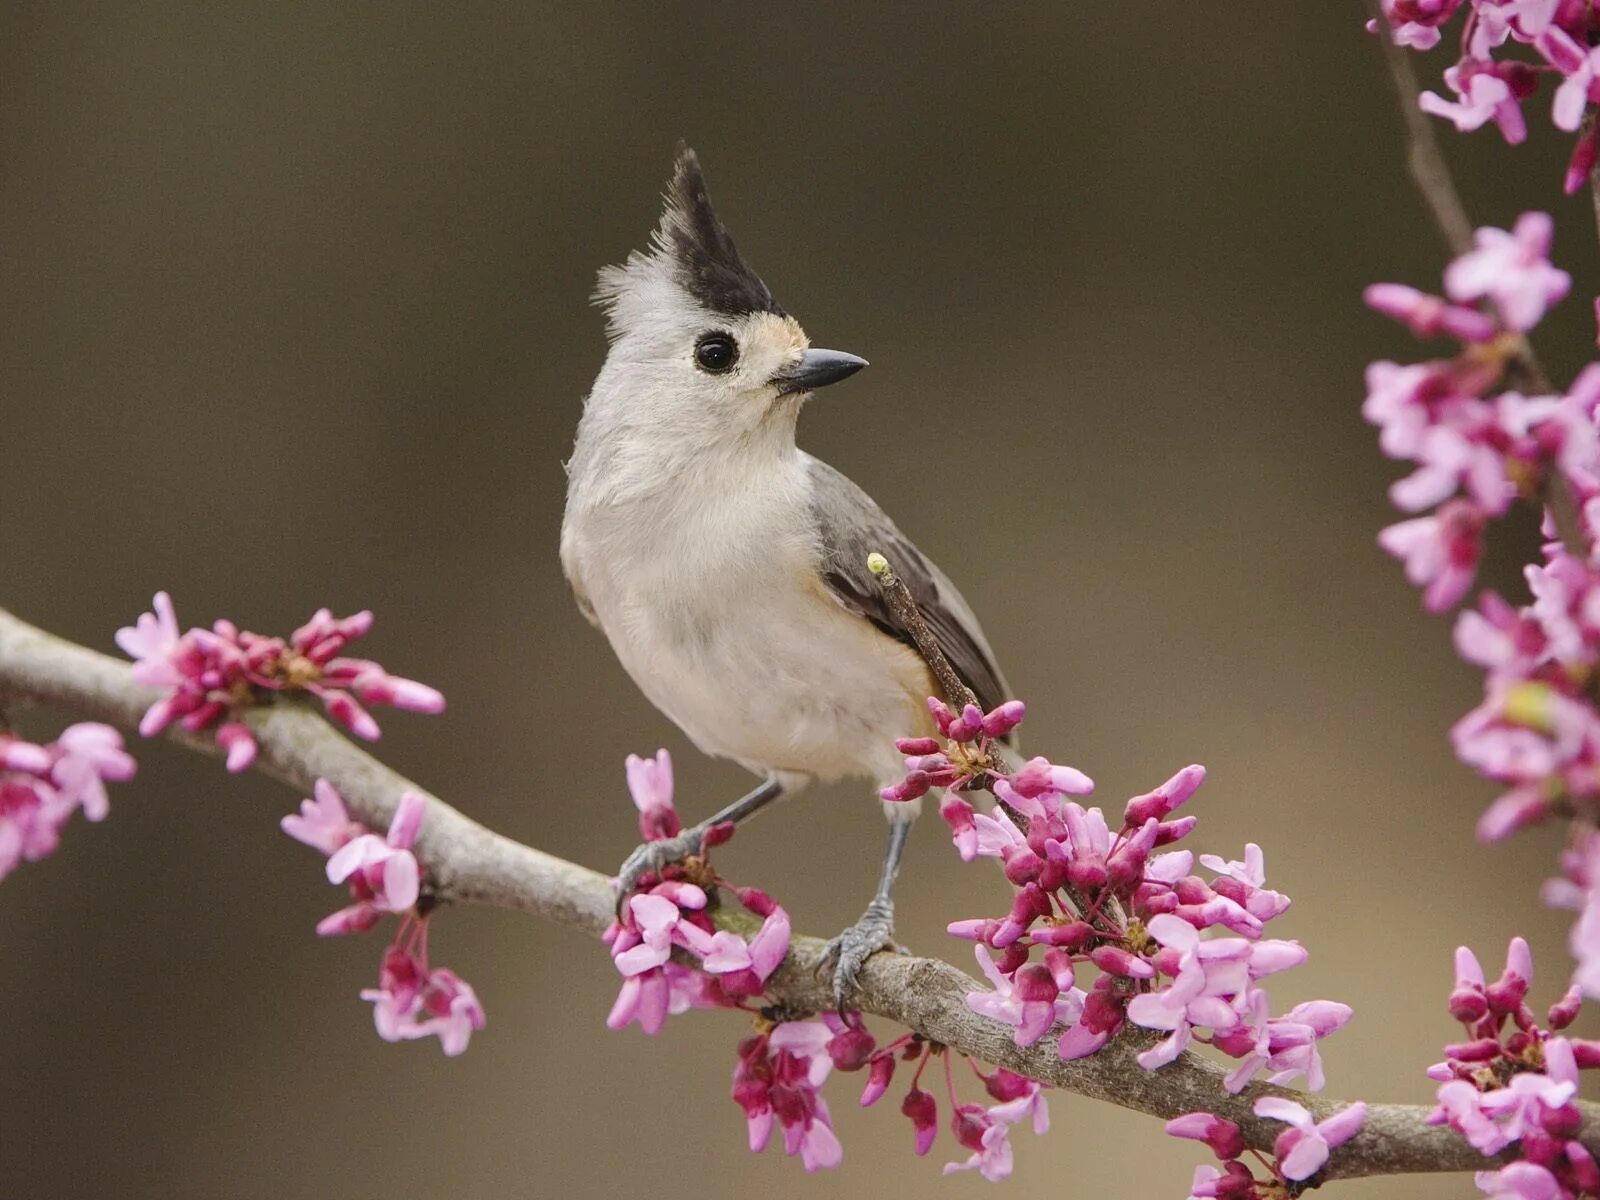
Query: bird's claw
847 952
651 858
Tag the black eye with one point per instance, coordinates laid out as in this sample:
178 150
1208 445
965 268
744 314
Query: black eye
715 353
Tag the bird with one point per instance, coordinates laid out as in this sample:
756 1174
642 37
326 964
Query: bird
727 567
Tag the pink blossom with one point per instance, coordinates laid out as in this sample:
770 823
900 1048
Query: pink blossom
1483 96
1441 552
383 873
1032 1003
1579 65
650 785
412 1001
86 756
1520 1181
1221 1135
747 965
1415 23
209 676
778 1081
322 822
42 786
1302 1149
1511 269
1429 316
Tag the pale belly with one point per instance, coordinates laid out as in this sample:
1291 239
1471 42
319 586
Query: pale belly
781 679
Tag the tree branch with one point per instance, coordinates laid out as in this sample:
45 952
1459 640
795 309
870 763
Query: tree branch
468 863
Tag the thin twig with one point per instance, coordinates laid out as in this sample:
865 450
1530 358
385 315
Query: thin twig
904 606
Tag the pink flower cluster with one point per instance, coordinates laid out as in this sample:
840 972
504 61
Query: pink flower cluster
1090 898
672 957
1476 447
1300 1151
982 1130
42 786
413 999
1511 1081
674 912
209 676
1490 86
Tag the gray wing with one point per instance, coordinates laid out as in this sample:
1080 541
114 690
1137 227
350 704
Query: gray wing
852 526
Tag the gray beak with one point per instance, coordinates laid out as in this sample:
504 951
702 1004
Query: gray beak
816 369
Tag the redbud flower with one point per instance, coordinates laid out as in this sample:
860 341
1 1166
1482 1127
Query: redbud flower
650 785
322 823
383 872
1483 96
1441 552
1520 1181
42 786
1032 1002
1511 269
778 1080
1429 316
411 1001
1303 1149
923 1110
210 676
1221 1135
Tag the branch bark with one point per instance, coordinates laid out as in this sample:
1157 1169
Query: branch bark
468 863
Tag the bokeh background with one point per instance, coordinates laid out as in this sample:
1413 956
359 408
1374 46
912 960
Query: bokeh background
294 301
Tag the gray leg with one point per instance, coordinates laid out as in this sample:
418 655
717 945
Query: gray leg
873 931
653 856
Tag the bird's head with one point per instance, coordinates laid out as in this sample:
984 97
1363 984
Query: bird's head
696 338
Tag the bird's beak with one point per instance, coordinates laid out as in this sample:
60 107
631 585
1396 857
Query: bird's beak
817 368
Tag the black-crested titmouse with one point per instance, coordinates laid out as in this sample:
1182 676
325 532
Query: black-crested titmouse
728 567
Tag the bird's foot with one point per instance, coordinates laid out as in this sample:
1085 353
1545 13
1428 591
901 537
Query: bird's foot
847 952
651 858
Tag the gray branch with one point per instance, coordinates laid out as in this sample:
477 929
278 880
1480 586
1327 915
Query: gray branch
468 863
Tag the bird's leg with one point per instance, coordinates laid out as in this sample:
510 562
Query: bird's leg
651 857
873 931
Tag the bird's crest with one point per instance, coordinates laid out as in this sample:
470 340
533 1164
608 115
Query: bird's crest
694 246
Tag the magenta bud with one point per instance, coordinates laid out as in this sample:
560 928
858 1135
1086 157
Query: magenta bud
1116 961
1059 963
924 1113
717 834
1175 831
1013 958
942 716
967 726
1564 1122
878 1079
911 787
852 1049
998 722
1069 935
1022 867
1468 1004
1478 1050
756 901
1033 983
1585 1052
922 745
1006 1086
1102 1011
1565 1010
1584 1171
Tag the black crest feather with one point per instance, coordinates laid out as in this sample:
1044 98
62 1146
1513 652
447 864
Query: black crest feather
708 263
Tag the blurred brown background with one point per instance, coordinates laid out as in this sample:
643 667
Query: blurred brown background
294 300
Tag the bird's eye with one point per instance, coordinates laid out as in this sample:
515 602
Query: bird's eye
715 353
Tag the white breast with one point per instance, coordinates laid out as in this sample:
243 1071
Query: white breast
710 595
